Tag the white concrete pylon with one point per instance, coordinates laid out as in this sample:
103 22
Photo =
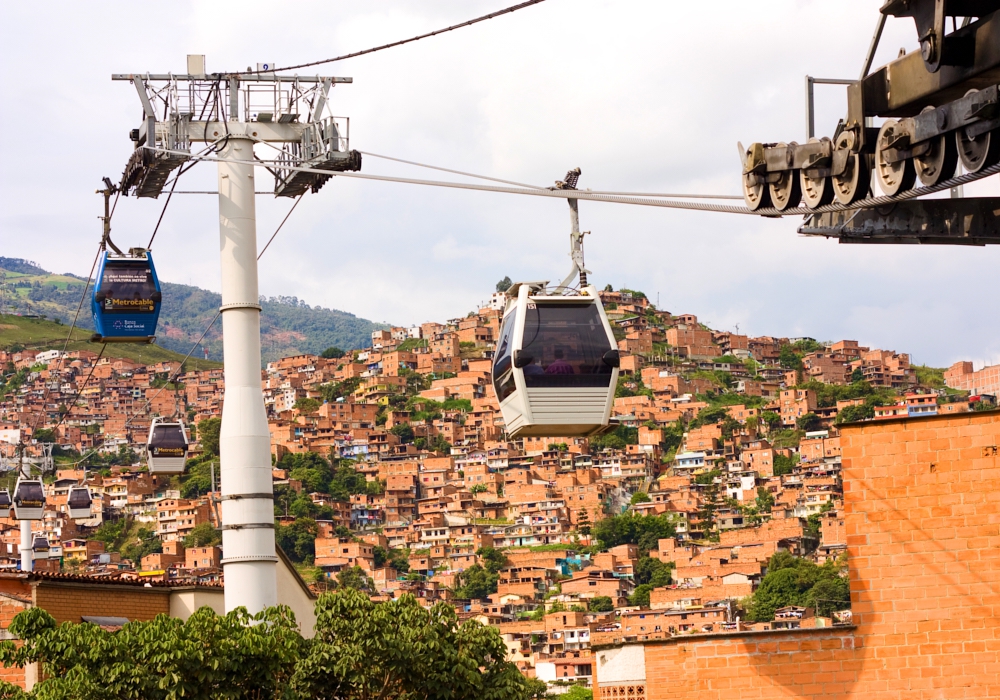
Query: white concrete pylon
249 561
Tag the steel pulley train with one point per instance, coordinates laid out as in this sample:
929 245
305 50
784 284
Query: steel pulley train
941 107
555 369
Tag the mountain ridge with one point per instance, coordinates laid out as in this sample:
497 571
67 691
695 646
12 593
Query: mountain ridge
289 326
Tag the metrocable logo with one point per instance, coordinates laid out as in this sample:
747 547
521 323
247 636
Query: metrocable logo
112 302
168 451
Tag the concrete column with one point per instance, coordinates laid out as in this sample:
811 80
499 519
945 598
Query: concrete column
247 503
27 554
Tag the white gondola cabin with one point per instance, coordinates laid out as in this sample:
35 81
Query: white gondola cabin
29 499
556 364
78 502
166 447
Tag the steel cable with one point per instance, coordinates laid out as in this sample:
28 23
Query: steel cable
506 10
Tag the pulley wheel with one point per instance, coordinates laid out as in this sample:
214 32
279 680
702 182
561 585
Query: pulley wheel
786 192
938 164
896 177
852 184
816 191
980 152
755 193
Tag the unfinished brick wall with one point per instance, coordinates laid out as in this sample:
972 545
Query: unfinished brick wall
67 602
922 522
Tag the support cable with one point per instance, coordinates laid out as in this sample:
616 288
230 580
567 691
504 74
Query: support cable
645 200
506 10
299 199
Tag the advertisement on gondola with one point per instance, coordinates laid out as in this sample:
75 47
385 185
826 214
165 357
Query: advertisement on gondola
128 290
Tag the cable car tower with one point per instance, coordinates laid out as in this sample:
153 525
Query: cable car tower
232 114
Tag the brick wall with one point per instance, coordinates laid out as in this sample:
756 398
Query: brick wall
67 602
922 523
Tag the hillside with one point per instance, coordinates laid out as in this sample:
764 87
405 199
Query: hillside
288 326
40 334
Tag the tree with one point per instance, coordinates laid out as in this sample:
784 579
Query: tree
784 465
583 522
504 284
852 414
789 358
765 500
298 540
395 650
478 488
206 657
652 571
645 531
640 596
857 375
307 405
809 421
601 603
208 432
203 535
640 497
791 580
354 577
332 353
403 431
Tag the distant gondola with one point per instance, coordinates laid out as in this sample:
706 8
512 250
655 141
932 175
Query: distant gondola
4 499
126 299
556 364
166 447
29 499
79 501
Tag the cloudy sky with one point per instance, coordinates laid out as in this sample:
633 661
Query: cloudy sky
642 95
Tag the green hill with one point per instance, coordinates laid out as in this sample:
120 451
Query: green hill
288 325
41 334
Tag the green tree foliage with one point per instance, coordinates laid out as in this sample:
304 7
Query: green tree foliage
652 571
404 432
129 538
617 439
504 284
332 353
706 478
578 692
808 422
399 559
208 432
601 603
765 500
480 580
791 580
789 358
354 577
337 390
852 414
645 531
203 535
204 658
298 540
307 405
640 596
397 650
640 497
784 465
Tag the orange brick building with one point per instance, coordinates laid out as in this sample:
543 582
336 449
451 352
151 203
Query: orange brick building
922 524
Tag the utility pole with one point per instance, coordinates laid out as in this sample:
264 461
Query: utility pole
288 113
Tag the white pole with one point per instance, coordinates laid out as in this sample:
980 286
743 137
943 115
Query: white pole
247 496
27 558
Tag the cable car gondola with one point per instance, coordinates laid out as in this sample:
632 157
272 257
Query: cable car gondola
166 447
29 499
556 364
4 499
78 502
126 299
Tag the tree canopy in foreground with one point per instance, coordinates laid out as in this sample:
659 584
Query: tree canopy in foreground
363 650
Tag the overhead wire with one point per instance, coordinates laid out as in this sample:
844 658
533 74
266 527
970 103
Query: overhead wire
644 200
505 11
